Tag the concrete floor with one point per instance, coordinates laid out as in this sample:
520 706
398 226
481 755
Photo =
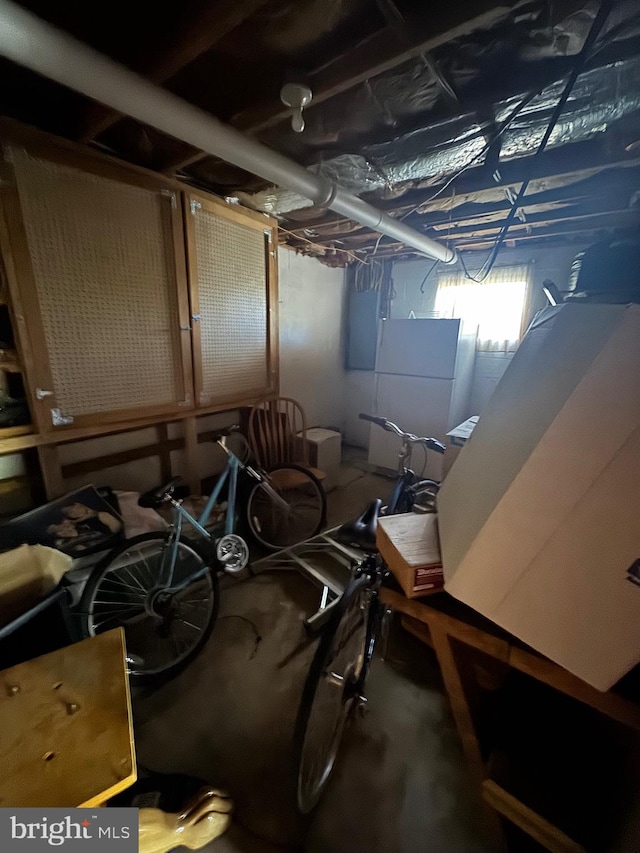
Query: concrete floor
400 784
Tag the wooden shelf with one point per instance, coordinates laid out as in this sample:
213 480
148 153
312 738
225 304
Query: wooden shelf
10 367
15 431
448 626
15 439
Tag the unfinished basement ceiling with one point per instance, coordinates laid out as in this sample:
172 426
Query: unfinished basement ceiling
432 112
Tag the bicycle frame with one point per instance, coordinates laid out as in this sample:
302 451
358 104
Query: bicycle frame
180 514
406 478
233 466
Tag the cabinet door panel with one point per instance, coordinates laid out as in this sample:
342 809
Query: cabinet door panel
105 269
231 274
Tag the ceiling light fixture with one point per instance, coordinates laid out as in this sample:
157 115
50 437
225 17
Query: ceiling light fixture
297 96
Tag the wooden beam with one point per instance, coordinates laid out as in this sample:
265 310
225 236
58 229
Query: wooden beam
595 189
214 22
478 185
461 710
122 457
15 445
458 700
192 469
590 220
380 52
495 645
51 471
544 832
162 432
501 648
610 703
568 228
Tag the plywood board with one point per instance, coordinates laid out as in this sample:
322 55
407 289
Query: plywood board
66 736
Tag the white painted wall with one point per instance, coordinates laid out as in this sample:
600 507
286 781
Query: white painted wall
312 315
408 279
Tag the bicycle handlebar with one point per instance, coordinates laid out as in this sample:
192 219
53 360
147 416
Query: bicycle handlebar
389 426
375 420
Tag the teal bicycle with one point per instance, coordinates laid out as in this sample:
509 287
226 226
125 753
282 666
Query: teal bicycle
162 588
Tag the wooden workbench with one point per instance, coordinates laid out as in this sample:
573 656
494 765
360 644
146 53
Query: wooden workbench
449 627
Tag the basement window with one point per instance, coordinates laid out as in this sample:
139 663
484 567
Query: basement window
496 306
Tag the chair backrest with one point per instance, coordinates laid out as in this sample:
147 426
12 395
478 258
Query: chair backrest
274 427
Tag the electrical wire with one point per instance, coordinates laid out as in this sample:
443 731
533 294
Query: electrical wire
322 245
581 60
429 271
369 276
586 53
503 127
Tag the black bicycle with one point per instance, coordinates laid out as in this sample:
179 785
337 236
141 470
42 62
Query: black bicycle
335 683
411 492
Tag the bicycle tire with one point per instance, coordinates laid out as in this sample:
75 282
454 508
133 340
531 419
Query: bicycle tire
153 651
347 645
270 524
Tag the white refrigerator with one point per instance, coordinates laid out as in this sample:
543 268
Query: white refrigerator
423 376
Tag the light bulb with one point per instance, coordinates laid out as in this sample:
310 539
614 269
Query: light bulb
297 120
296 96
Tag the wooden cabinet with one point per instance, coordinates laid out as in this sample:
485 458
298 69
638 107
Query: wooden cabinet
96 265
232 288
136 300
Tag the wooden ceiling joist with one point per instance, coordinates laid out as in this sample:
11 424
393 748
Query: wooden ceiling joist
381 52
213 23
478 193
584 212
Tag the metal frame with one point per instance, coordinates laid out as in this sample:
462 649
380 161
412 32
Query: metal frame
295 559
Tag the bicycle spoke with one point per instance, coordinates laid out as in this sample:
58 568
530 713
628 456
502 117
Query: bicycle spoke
114 617
118 604
132 590
190 624
174 627
152 578
133 577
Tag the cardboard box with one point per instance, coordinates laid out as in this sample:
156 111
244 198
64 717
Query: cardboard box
456 440
409 545
325 453
539 517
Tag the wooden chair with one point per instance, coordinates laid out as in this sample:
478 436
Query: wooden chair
277 434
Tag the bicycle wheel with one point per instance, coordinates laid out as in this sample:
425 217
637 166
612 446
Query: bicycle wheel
286 508
165 628
335 679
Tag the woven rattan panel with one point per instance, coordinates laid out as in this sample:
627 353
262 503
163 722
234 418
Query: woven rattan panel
233 307
101 259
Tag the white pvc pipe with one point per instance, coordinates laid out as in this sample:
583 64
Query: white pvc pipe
29 41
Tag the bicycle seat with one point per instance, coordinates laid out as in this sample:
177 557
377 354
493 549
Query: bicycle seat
361 532
155 497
